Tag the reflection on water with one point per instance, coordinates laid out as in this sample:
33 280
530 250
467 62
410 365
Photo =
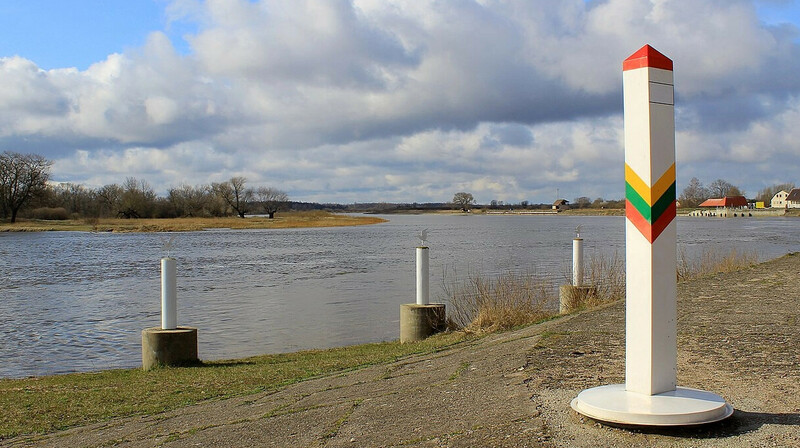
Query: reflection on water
78 301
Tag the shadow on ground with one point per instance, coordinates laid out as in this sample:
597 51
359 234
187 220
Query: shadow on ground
741 422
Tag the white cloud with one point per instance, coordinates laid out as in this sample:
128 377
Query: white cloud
160 110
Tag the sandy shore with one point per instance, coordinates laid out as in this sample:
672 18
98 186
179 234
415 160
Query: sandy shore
289 220
739 336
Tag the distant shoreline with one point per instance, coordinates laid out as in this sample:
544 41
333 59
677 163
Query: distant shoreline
288 220
525 212
568 212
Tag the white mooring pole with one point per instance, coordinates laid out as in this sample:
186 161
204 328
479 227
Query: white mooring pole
650 395
423 276
577 260
169 300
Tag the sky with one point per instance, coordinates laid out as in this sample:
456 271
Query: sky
394 100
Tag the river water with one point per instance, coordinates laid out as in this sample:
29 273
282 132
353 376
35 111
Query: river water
73 301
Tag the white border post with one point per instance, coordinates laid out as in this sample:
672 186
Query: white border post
650 232
650 395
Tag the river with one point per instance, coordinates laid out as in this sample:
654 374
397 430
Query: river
72 301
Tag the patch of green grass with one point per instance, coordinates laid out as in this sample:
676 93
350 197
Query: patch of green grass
461 369
548 337
47 404
337 425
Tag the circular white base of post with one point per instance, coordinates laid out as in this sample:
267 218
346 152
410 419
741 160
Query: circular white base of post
681 407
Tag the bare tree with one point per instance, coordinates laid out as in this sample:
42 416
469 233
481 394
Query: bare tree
22 177
694 194
735 191
582 202
187 200
74 198
138 199
271 200
234 193
109 198
721 188
178 199
767 193
463 200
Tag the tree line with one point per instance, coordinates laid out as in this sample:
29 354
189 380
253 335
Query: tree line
25 190
695 192
464 201
693 195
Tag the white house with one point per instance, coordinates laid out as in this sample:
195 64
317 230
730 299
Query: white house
779 200
793 198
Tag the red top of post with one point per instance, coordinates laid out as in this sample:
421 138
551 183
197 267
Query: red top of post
647 56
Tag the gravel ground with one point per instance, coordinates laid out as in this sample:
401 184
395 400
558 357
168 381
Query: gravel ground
738 336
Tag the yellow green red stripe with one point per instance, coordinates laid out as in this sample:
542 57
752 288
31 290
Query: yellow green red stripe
650 209
650 194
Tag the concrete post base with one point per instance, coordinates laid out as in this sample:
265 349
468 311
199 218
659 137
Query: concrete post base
680 407
571 297
168 347
417 322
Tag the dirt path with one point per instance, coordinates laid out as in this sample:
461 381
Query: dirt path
739 336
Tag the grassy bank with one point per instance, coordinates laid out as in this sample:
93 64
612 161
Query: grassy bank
281 221
42 405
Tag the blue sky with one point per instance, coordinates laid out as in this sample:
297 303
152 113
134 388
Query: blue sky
78 33
779 12
393 100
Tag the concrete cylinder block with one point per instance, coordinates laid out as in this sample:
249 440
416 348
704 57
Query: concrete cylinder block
176 347
417 322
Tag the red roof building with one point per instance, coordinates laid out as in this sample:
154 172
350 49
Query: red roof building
728 201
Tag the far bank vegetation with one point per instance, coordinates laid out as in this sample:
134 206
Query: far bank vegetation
136 199
26 192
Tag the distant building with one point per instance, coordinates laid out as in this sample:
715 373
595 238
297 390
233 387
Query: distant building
560 204
779 200
726 202
793 198
728 206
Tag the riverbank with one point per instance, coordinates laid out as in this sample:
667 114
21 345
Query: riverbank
528 212
578 212
738 336
287 220
50 403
